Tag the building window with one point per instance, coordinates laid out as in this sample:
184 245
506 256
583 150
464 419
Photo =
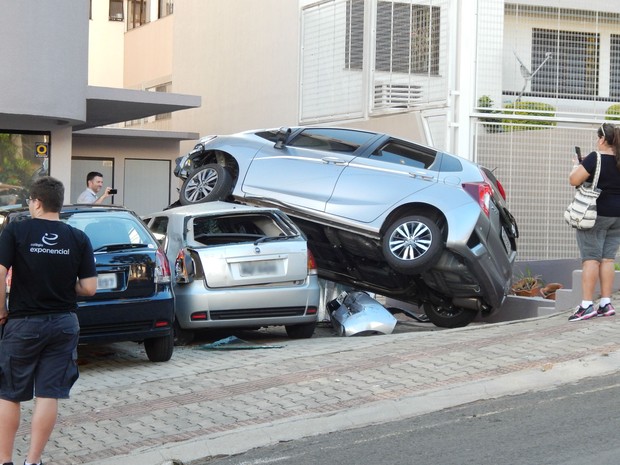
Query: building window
166 8
407 37
166 87
116 10
572 67
24 156
136 13
614 67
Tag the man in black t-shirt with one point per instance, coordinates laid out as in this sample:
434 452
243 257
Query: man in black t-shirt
52 263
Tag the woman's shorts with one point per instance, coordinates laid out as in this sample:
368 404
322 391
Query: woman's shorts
602 241
38 356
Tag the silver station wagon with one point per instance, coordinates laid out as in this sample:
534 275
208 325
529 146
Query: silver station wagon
380 213
237 266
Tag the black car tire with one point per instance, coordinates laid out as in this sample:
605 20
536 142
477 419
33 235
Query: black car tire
453 317
412 244
206 184
303 331
159 349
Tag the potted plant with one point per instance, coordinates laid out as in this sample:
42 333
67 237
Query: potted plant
548 292
527 285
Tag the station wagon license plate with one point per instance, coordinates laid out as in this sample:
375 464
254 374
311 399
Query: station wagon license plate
258 268
107 281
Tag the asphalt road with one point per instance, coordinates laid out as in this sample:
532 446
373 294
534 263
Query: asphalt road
575 424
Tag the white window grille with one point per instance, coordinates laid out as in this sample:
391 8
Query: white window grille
407 42
330 89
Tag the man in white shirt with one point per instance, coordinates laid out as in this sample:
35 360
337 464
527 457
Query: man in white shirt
94 183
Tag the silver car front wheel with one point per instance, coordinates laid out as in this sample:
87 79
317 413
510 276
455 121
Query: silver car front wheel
206 184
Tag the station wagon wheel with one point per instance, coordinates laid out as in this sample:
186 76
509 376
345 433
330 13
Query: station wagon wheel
182 337
206 184
412 244
303 331
450 316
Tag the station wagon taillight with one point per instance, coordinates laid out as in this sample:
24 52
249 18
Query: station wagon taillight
311 263
183 267
162 268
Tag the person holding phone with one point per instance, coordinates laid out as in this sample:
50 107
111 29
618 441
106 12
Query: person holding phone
94 183
598 246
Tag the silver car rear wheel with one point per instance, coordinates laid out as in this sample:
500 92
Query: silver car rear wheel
412 244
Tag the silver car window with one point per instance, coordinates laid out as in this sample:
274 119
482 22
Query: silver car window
404 155
331 139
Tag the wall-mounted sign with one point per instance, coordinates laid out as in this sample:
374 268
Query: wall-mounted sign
41 149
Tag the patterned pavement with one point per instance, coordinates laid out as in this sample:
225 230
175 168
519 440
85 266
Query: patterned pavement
202 403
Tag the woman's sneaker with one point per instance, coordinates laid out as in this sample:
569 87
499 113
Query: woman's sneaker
606 310
583 313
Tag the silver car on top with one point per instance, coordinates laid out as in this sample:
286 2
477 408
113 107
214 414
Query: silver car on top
380 213
237 266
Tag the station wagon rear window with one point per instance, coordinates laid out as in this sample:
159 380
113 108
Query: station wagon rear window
211 230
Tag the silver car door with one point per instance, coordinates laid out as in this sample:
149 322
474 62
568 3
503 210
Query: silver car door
371 185
303 172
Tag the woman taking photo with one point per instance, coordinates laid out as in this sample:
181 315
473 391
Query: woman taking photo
598 246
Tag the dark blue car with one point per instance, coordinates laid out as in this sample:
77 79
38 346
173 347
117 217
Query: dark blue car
134 299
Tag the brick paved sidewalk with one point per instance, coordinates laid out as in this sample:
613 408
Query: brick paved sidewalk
209 402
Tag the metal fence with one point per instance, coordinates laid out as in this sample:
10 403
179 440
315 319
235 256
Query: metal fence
533 165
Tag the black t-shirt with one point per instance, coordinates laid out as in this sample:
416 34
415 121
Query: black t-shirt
608 203
47 258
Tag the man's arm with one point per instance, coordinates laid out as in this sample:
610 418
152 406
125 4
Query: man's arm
104 196
86 286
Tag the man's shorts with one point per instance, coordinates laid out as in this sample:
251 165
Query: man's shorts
602 241
38 356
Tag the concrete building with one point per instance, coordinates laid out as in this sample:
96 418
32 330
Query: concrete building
51 118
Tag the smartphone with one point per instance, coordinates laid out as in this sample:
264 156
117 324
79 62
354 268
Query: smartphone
578 152
114 191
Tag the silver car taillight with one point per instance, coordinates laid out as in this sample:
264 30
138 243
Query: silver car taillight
162 268
482 192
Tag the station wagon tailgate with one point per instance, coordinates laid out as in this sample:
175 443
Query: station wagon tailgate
247 264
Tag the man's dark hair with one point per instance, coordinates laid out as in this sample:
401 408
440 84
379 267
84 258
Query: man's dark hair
92 175
50 192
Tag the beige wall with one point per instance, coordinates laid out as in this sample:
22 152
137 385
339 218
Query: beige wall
242 57
105 47
148 54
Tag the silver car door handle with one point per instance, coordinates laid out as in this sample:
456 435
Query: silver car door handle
420 175
334 160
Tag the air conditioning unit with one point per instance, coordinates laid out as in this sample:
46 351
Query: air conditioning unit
391 95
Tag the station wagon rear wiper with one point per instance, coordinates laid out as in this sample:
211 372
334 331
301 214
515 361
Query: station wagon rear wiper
274 238
108 247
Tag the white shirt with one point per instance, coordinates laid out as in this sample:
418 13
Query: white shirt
88 196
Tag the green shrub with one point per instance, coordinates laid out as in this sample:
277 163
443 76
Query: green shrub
485 105
528 109
613 112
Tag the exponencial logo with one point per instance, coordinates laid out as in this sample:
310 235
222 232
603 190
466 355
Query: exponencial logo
50 239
